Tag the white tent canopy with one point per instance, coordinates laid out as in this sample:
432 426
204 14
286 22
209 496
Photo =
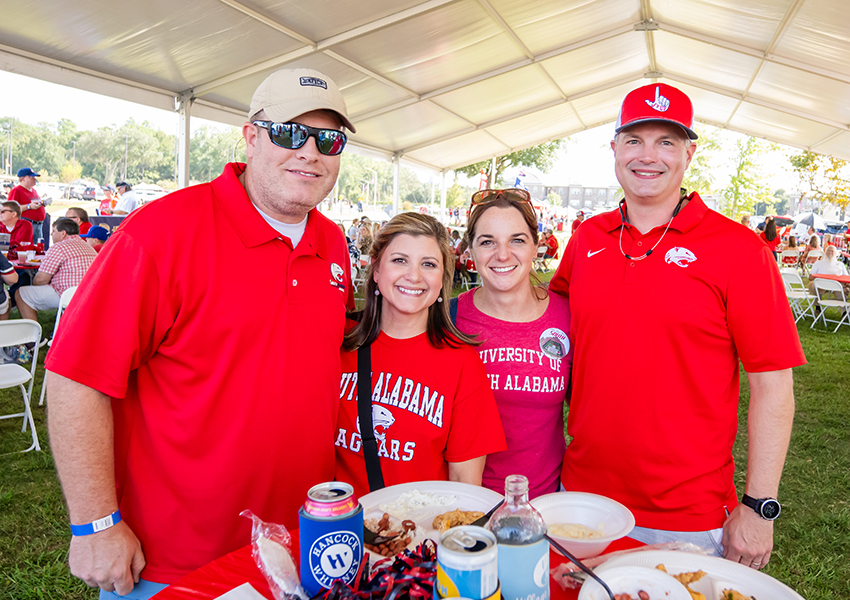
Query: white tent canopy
444 83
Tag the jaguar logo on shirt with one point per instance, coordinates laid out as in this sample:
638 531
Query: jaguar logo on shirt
681 257
382 419
337 277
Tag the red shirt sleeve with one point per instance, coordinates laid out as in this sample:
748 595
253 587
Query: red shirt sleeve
476 429
759 316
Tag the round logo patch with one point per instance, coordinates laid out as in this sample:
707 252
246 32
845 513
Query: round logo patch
335 556
554 343
336 271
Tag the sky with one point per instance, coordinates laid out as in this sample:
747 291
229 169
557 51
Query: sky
587 159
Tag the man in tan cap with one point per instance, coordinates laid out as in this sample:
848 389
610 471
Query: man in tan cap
195 411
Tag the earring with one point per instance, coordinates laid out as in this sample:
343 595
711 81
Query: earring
439 299
377 292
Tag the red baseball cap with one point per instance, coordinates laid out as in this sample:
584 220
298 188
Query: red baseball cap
657 102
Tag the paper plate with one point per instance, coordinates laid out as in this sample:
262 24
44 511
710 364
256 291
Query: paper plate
721 574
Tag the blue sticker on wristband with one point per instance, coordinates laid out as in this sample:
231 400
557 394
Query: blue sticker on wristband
99 525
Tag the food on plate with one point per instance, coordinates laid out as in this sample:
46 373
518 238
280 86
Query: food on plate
735 595
400 534
576 531
686 579
411 501
455 518
642 595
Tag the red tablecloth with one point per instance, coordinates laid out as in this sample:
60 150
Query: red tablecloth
234 569
841 278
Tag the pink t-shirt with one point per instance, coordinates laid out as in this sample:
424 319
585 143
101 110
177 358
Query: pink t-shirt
528 365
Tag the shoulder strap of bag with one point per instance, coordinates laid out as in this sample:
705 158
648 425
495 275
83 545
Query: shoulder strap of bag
364 412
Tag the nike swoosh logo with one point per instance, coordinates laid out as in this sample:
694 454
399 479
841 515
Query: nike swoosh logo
589 253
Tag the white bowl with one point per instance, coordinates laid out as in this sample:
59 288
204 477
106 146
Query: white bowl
589 510
631 580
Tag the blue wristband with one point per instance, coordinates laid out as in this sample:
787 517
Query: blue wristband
99 525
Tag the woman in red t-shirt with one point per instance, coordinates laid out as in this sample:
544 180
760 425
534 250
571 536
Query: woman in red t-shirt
433 413
770 236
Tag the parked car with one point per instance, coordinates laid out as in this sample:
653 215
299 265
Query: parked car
93 193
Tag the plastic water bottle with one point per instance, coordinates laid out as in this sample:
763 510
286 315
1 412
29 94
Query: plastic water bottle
523 551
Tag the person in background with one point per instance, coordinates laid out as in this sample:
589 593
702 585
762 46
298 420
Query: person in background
19 230
745 221
127 201
9 277
829 264
364 237
80 217
578 220
434 417
96 237
827 240
352 231
764 223
814 244
792 244
32 206
551 243
160 426
63 266
650 428
525 343
770 236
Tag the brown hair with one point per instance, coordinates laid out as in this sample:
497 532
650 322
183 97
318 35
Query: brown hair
528 215
81 213
441 331
12 205
501 201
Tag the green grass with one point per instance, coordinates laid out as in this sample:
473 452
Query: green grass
812 544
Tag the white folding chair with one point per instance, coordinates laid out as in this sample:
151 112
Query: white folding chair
15 333
802 302
813 257
830 294
539 262
789 258
64 301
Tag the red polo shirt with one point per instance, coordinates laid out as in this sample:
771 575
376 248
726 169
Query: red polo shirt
657 344
225 388
23 196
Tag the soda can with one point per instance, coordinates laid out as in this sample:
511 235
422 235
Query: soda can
331 535
467 564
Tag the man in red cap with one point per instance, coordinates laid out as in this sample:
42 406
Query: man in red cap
578 221
677 314
193 409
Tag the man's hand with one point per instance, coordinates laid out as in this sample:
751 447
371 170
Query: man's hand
747 538
111 559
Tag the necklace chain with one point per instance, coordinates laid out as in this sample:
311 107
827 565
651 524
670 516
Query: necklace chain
650 251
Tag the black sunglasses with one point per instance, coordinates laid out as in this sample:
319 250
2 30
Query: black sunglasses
292 136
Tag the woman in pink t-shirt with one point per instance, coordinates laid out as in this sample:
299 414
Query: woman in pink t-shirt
524 333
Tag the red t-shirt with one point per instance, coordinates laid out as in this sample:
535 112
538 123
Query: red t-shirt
430 407
23 196
84 227
654 407
773 245
551 247
21 234
225 394
575 225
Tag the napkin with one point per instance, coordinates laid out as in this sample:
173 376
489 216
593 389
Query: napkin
245 591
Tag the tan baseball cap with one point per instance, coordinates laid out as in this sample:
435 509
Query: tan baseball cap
288 93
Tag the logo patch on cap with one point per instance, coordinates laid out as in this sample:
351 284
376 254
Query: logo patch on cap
661 104
315 82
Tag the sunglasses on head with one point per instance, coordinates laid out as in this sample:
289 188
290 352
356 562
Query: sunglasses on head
515 194
292 136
